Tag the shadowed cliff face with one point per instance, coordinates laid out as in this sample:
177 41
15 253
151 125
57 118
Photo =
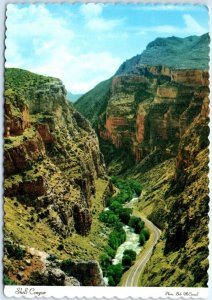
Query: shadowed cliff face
181 257
52 156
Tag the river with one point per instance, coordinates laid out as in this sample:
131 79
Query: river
132 239
132 243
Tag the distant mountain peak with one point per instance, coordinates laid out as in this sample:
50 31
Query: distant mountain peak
73 97
191 52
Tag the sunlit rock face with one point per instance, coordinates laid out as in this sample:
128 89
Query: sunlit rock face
151 100
150 112
52 156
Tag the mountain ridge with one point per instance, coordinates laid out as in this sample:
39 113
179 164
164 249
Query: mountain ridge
173 52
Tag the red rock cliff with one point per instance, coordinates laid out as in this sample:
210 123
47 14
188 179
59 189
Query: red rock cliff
149 112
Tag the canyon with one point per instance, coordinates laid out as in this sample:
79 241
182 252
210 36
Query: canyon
153 127
149 123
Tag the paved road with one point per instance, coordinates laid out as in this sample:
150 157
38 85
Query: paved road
133 275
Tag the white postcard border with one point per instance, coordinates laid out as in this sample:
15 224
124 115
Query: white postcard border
108 292
65 292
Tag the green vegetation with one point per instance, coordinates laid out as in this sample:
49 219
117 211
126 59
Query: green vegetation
114 274
66 265
116 212
8 281
144 235
128 259
117 237
93 103
115 217
51 257
19 79
136 223
127 187
141 239
15 251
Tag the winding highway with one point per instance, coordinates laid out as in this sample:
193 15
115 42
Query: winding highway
132 276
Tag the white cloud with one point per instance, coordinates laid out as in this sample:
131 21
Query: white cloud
100 24
91 10
94 20
41 42
36 20
35 29
78 72
191 27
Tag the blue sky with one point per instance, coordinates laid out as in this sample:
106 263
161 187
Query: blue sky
85 44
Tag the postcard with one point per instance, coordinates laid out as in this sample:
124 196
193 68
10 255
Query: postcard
106 150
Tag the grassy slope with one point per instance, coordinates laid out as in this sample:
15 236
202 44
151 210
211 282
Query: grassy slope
93 103
21 79
188 265
180 258
18 221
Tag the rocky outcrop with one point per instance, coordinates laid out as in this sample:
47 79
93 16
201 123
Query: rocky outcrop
149 112
16 120
88 273
52 156
39 268
20 155
46 135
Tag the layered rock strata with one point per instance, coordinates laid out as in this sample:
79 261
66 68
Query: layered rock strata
149 112
51 153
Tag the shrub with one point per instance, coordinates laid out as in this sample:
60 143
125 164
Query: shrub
108 217
115 206
124 216
8 281
116 238
66 265
136 223
130 253
146 233
15 251
126 262
111 282
60 247
51 257
115 271
135 186
105 261
110 252
141 239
